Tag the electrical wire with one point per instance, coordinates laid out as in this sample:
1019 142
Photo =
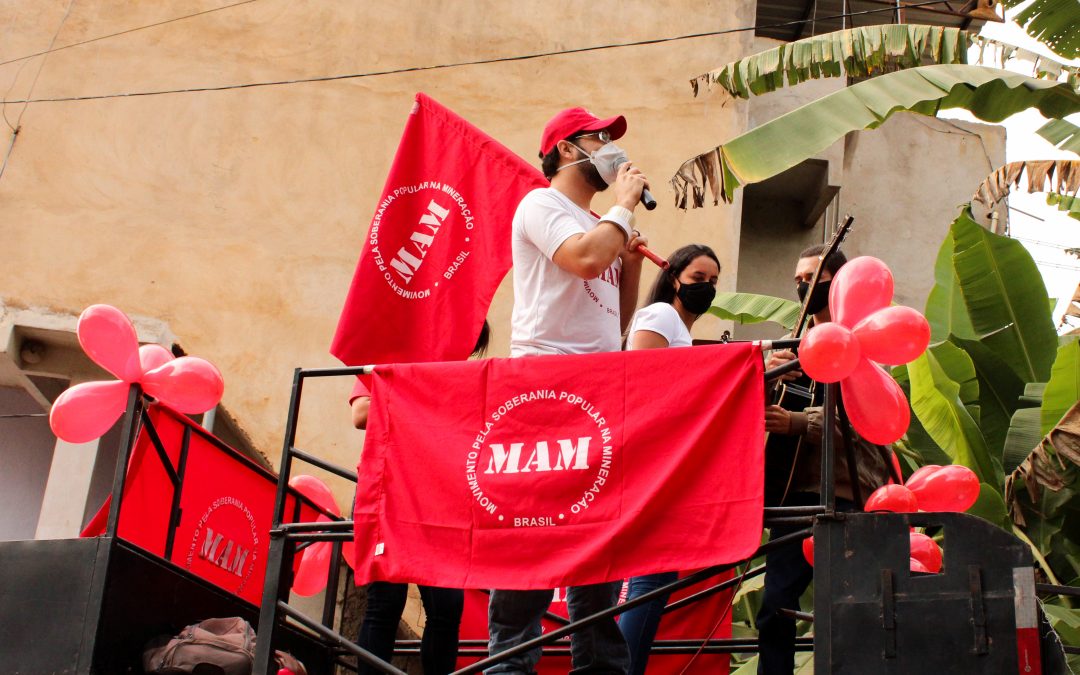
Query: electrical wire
125 32
478 62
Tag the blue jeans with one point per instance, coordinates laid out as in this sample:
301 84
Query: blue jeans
639 625
787 576
514 618
439 644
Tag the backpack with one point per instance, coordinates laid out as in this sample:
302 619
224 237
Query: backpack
211 647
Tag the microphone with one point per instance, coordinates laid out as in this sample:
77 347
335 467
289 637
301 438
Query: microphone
646 197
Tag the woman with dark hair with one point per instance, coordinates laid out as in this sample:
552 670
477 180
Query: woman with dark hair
683 292
386 601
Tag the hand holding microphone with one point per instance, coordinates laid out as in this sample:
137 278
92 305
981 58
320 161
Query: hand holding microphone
631 187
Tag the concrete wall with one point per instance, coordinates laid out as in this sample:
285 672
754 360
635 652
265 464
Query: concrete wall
237 216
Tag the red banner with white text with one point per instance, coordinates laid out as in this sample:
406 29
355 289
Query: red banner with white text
220 528
550 471
438 245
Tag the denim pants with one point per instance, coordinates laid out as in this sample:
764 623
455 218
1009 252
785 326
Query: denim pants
639 625
439 644
514 618
787 576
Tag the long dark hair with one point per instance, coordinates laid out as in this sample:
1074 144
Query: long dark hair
664 288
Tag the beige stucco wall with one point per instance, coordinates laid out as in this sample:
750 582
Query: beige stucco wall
236 216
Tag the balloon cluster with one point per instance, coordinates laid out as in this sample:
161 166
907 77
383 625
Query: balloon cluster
314 561
866 331
952 488
86 411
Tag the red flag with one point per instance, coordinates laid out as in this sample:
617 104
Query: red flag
438 246
522 473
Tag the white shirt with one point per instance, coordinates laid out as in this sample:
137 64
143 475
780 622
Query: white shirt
556 312
663 319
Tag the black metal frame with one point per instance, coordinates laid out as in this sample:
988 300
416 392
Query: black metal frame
284 538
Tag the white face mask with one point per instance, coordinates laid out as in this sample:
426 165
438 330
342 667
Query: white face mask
607 159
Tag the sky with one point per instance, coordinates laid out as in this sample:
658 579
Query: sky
1041 228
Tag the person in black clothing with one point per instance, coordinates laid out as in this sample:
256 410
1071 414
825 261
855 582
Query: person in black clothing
787 574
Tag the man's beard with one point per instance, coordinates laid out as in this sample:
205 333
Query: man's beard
592 176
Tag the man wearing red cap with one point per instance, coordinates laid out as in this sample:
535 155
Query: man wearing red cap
575 288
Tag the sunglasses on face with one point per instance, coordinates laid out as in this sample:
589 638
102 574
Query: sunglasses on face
603 136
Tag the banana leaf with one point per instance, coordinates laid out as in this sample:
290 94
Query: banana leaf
747 308
1005 298
936 402
856 52
1063 389
945 308
1060 178
999 392
1052 22
1061 134
988 93
991 507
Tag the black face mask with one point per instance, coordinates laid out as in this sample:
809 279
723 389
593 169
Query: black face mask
697 298
819 299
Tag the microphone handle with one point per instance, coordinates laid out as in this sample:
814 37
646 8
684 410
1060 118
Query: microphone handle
657 260
647 199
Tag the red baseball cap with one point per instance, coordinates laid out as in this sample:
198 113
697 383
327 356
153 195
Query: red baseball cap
573 120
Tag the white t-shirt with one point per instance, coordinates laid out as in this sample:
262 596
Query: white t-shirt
663 319
556 312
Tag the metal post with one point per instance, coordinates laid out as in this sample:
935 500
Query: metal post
279 561
127 443
828 452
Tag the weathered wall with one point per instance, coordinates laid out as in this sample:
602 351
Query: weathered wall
236 216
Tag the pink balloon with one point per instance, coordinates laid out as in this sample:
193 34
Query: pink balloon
86 411
152 356
310 577
895 498
108 338
918 477
952 488
917 566
894 335
317 491
188 384
925 550
875 403
861 287
829 352
808 550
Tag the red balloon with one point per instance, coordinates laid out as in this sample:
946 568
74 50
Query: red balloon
953 488
152 356
86 411
861 287
317 491
109 339
829 352
875 403
917 566
188 384
918 477
310 577
893 335
925 550
808 550
895 498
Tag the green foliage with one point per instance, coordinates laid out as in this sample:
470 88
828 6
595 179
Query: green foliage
749 308
856 52
990 94
1005 298
1052 22
1063 389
